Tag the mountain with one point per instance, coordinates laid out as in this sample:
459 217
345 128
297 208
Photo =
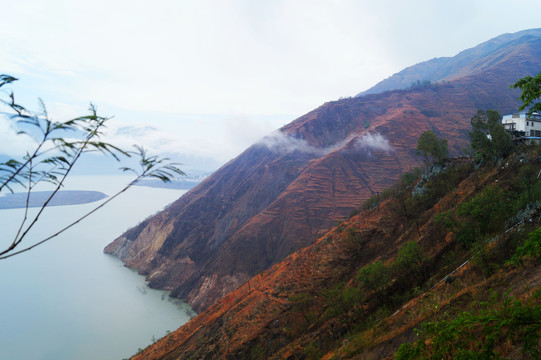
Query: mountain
443 69
406 259
282 193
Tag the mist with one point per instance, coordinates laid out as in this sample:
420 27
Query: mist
281 143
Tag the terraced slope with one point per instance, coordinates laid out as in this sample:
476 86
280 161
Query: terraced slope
282 193
314 304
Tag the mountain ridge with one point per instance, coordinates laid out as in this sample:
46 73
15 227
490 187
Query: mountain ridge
444 68
282 193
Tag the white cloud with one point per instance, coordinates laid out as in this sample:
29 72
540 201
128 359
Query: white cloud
373 142
237 56
245 130
229 57
155 140
208 56
283 143
12 144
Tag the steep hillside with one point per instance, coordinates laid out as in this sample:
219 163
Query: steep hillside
447 68
361 290
282 193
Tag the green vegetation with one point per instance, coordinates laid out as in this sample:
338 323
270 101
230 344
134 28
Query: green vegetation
530 248
479 217
531 92
489 141
480 333
256 352
486 216
409 270
312 351
505 199
435 182
429 145
341 299
411 261
462 227
485 330
375 277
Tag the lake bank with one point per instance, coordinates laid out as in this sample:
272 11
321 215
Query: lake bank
67 300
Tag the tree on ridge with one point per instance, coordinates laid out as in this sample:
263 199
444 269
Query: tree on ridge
430 146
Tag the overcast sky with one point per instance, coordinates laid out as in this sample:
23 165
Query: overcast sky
208 78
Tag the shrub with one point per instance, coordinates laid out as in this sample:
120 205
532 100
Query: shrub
375 277
411 261
342 299
478 333
482 215
530 248
312 351
408 178
376 199
303 303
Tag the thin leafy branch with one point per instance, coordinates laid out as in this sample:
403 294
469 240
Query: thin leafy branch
54 156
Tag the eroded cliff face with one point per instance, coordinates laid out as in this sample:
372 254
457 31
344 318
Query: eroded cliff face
283 192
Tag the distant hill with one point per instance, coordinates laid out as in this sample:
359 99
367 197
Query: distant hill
282 193
466 63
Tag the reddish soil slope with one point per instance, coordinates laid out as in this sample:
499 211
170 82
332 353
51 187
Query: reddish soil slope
280 194
261 319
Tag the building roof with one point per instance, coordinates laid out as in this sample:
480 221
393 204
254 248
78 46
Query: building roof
523 114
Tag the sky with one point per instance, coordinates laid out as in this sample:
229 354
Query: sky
205 79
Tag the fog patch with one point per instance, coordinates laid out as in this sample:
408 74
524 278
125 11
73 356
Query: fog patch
282 143
374 141
12 143
243 130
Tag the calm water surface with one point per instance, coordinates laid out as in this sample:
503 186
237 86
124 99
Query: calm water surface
67 300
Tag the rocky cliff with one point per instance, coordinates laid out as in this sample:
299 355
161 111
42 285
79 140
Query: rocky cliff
283 192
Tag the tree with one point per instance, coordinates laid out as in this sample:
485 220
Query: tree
59 146
411 261
531 92
489 141
429 145
376 277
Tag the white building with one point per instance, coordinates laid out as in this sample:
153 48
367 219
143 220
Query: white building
521 124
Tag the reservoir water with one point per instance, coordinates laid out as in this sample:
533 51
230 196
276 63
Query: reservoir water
67 300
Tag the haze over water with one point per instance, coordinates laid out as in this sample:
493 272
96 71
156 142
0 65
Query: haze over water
67 300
